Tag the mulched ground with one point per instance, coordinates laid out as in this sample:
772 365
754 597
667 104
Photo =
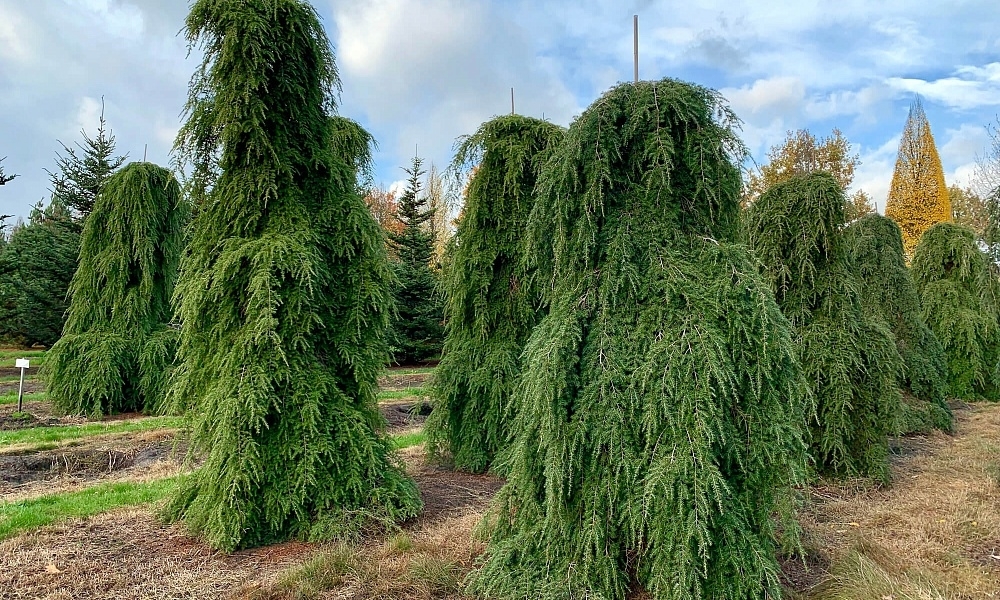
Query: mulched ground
405 415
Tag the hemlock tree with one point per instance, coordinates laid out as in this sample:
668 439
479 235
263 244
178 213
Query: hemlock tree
284 292
116 349
36 267
80 176
887 289
961 303
491 308
418 333
849 355
918 197
661 408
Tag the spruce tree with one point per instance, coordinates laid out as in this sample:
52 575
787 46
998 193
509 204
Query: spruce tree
918 197
80 176
491 307
849 355
961 303
887 289
36 267
418 333
116 348
661 408
4 178
284 293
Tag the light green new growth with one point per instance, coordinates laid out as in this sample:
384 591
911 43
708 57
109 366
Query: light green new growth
491 307
661 409
849 355
116 350
961 303
284 294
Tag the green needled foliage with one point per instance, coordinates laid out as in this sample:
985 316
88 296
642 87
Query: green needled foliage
875 244
417 331
661 409
849 355
116 349
961 302
491 309
284 291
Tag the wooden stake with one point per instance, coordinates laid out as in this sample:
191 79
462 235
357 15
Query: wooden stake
635 44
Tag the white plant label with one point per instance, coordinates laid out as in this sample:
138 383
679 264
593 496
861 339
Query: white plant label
21 363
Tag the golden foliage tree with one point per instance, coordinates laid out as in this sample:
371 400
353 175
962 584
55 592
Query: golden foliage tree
802 153
918 197
384 206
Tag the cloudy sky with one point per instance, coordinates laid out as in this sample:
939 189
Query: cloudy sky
419 73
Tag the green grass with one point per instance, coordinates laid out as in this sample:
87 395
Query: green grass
39 436
25 515
10 378
412 392
405 440
8 358
32 397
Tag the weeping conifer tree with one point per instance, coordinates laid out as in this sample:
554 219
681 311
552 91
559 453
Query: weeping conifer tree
959 293
491 308
848 354
875 244
284 291
116 349
661 408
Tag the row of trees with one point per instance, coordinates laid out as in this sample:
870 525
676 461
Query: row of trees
651 343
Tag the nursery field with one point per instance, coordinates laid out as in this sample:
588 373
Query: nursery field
79 502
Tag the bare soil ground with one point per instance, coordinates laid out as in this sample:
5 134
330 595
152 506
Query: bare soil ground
399 382
130 457
31 386
131 554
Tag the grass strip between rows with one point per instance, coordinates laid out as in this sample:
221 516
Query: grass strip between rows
26 515
414 392
32 397
49 435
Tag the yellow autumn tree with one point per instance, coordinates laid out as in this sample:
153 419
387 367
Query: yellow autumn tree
802 153
918 197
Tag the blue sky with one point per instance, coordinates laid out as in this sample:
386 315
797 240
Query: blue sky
423 72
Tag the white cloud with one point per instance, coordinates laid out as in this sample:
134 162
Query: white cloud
969 87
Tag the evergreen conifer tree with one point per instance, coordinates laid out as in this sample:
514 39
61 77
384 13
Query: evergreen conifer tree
4 178
418 330
961 303
36 267
116 348
491 308
918 196
848 354
80 176
887 289
284 292
661 408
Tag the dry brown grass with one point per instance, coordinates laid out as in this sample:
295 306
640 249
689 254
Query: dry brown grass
934 534
129 555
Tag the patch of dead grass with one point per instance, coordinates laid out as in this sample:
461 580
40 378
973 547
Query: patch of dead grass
935 533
